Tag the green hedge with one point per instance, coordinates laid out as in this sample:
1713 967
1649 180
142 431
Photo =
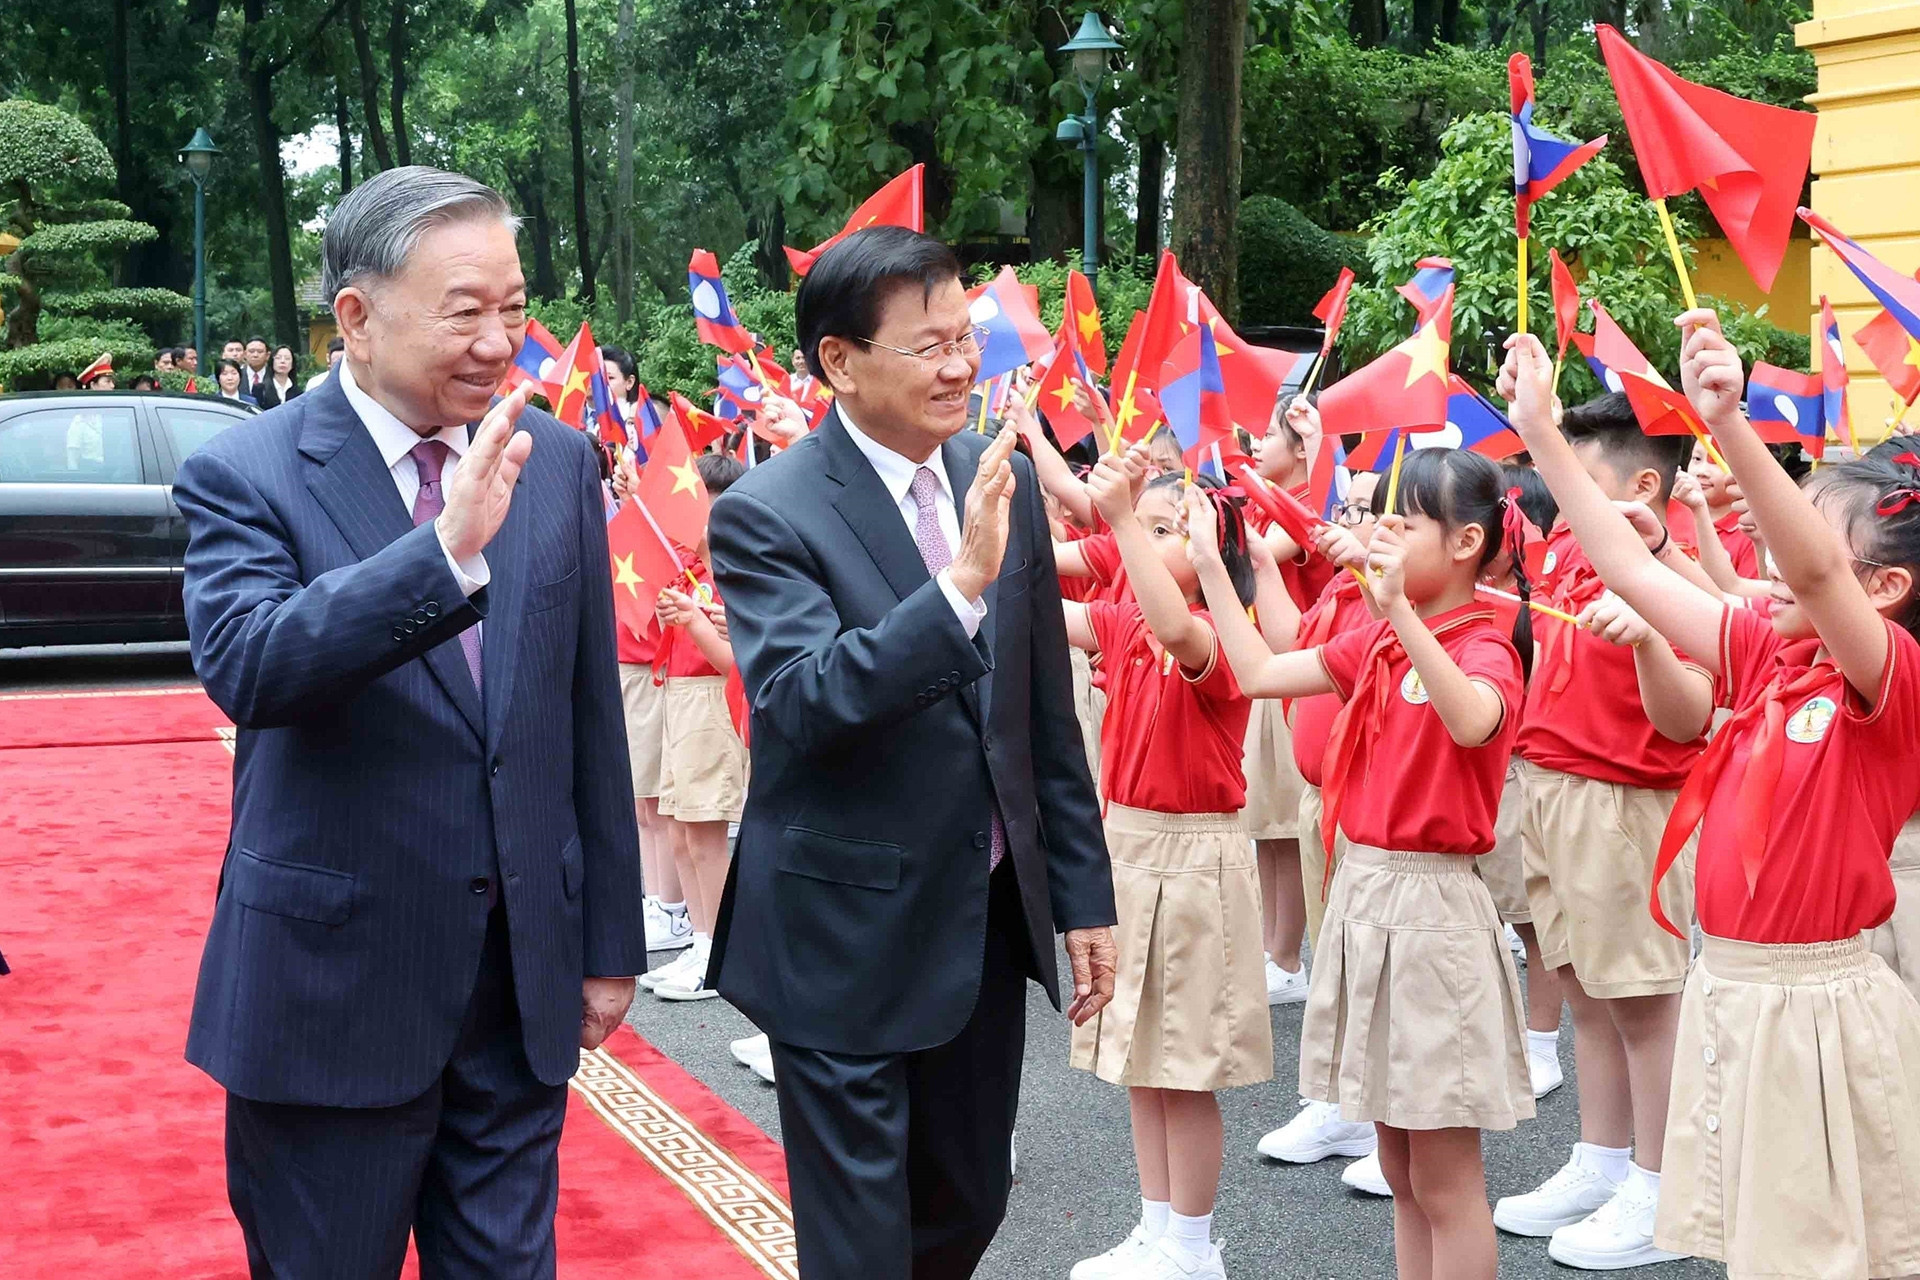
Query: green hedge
1287 263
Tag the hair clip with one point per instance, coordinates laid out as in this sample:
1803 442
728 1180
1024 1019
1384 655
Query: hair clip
1897 500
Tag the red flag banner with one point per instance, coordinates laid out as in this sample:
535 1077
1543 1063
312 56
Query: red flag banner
1566 303
1083 313
901 203
642 565
1406 387
1894 352
671 488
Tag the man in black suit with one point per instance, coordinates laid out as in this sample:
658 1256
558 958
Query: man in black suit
920 819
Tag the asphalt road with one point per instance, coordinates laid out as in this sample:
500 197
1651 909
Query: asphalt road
1075 1194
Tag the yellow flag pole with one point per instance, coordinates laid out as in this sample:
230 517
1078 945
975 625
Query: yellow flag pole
1673 248
1522 255
1534 605
1393 475
980 423
1900 415
1559 363
1313 373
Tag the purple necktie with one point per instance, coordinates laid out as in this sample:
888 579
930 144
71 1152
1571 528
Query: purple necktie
938 555
430 457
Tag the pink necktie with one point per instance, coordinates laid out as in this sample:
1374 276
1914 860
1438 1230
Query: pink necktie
938 555
430 457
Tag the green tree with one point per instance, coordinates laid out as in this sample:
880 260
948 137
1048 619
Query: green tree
61 307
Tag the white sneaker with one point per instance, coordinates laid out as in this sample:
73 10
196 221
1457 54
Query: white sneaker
691 982
1316 1133
1565 1198
1168 1261
652 978
1364 1175
667 930
1544 1070
1125 1261
1284 987
755 1053
1617 1235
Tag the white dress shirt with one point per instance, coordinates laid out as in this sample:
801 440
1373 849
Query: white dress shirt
396 440
896 472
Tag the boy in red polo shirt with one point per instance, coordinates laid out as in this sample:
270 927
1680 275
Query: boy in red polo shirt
1598 782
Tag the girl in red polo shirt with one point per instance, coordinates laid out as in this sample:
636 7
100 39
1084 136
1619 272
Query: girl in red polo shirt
1793 1134
1189 1010
1413 1021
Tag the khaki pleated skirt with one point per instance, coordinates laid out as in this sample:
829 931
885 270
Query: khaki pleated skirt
1273 780
703 763
1414 1016
1503 869
1898 940
1089 707
1189 1008
1313 860
1793 1133
645 706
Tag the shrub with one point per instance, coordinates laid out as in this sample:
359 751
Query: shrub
1287 263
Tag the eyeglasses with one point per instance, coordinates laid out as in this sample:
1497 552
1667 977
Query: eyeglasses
1352 514
965 347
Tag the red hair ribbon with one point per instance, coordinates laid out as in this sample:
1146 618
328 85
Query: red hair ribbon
1513 521
1896 501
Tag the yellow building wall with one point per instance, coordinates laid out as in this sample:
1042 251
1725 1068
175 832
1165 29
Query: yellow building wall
1866 166
1718 270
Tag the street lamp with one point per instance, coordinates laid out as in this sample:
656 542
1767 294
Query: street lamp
198 156
1089 50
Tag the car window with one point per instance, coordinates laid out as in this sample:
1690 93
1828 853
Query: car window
74 444
191 427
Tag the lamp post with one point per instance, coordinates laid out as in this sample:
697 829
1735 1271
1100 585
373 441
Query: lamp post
198 156
1089 50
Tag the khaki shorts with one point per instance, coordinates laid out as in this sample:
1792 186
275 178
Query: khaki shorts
1273 781
1898 940
1504 868
1313 860
703 770
1793 1131
643 702
1089 707
1589 849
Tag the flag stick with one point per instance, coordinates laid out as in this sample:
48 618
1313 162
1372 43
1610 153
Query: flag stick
1393 476
980 423
1673 247
1534 605
1713 454
665 541
1559 363
1522 254
1899 416
1313 374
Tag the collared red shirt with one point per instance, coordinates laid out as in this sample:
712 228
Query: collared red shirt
896 472
395 441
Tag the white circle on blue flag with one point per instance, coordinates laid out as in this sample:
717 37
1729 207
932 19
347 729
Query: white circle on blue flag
751 395
1613 382
546 369
983 309
706 300
1833 345
1788 409
1448 437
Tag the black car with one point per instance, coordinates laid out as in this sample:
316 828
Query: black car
90 541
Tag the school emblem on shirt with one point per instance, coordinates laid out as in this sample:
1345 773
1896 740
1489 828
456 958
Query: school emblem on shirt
1413 688
703 592
1809 723
1547 565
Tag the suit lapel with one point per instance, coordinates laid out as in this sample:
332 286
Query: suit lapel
354 487
870 511
506 593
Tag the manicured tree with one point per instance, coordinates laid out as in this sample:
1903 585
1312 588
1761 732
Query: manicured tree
60 305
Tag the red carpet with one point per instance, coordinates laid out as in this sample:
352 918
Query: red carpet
110 1144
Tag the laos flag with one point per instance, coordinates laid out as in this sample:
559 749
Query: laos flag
1432 277
712 313
1013 333
1787 407
1193 395
535 363
1473 424
1540 161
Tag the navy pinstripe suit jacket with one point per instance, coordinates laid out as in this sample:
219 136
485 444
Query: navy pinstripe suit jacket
374 787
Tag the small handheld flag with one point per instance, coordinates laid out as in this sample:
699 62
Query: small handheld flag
701 428
1083 312
1472 424
1894 352
536 363
1833 378
712 313
1406 387
1432 279
1787 407
1899 294
1566 306
1014 335
671 488
1194 398
1541 161
900 203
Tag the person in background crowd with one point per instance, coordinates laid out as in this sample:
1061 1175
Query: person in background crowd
336 352
145 382
234 350
228 371
187 359
65 382
163 359
254 371
98 376
279 386
623 384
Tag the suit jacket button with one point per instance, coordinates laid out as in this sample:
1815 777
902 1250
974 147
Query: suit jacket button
986 742
479 884
930 693
979 839
954 676
420 616
398 634
431 608
494 772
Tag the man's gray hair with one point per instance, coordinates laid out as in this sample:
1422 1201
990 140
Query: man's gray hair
378 226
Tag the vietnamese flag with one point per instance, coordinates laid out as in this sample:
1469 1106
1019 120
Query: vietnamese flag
643 564
1083 313
671 488
1748 160
698 427
576 368
1662 411
1406 387
1254 376
1166 321
1894 352
901 203
1055 393
1566 302
1281 507
1136 409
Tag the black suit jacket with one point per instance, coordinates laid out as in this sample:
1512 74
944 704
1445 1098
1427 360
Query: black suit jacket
855 913
268 395
380 800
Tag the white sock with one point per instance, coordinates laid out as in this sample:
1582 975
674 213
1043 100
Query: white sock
706 940
1153 1217
1610 1163
1648 1178
1192 1236
1545 1044
675 908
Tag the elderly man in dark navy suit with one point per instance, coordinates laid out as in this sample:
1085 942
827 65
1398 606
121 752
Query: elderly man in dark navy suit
920 821
431 898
